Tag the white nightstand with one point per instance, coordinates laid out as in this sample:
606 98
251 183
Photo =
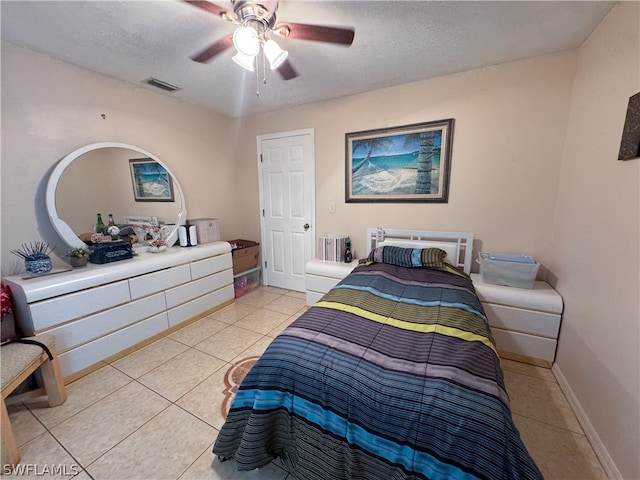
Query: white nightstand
525 322
321 276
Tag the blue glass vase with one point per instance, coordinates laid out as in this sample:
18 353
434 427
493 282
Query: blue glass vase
37 264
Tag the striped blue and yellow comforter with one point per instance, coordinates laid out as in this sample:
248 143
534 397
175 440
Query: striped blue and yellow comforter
392 375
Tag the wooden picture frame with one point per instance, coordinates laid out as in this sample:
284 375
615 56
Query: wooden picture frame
151 181
405 164
630 143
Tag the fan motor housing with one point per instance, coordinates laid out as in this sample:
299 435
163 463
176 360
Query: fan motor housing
263 11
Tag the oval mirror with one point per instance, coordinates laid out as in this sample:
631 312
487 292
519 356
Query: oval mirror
115 178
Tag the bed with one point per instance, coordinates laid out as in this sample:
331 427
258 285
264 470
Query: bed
393 374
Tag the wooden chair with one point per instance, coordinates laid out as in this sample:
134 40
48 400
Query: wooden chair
18 361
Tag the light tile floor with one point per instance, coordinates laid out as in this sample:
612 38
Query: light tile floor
155 413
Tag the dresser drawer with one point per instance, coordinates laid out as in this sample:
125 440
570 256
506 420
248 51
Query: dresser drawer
522 320
91 353
523 344
313 297
158 281
315 283
212 265
192 309
59 310
197 288
89 328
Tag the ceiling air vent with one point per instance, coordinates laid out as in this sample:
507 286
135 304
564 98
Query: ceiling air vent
167 87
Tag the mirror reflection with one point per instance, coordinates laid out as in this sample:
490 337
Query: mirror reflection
113 178
100 181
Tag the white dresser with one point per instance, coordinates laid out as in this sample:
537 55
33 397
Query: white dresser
98 311
525 322
321 276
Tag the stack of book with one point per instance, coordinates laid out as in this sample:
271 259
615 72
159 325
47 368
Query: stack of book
331 247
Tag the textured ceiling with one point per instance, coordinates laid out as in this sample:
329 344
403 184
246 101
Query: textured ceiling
396 42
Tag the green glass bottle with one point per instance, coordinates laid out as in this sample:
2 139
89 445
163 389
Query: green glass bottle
100 227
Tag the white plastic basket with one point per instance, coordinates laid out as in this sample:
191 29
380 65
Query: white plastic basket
509 270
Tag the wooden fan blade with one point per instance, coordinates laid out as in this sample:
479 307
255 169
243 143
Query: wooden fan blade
213 50
287 71
208 7
317 33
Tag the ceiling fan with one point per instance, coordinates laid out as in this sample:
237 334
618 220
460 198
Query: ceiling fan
256 20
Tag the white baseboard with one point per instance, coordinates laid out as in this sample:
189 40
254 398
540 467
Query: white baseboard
598 447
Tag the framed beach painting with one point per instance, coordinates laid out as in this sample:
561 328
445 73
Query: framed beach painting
410 163
151 181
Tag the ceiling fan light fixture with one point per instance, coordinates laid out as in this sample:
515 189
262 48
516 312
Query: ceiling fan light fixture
246 41
274 54
245 61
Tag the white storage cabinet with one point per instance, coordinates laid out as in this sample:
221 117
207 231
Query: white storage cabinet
525 322
321 276
98 311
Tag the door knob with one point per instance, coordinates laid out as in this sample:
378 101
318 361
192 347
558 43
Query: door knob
306 226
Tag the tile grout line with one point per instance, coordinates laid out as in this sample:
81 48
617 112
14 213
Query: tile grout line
48 431
553 425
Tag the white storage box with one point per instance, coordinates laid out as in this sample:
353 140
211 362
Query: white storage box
207 229
510 270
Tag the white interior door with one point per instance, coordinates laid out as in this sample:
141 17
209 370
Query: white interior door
287 193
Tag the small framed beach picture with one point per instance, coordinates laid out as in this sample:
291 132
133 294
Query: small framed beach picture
403 164
151 181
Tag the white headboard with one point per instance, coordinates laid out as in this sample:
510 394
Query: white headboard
458 245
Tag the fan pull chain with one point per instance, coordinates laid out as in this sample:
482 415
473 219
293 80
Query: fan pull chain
264 68
257 81
264 73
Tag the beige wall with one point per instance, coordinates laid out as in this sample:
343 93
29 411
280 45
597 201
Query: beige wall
596 242
50 108
533 171
507 188
506 157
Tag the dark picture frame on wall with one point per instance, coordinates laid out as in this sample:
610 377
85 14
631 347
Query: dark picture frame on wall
404 164
151 181
630 143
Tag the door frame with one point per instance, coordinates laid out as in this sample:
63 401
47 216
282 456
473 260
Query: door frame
312 222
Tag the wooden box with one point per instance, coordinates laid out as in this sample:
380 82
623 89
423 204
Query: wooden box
244 255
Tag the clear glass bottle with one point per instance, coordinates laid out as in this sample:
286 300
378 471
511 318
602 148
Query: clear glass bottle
100 227
111 224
